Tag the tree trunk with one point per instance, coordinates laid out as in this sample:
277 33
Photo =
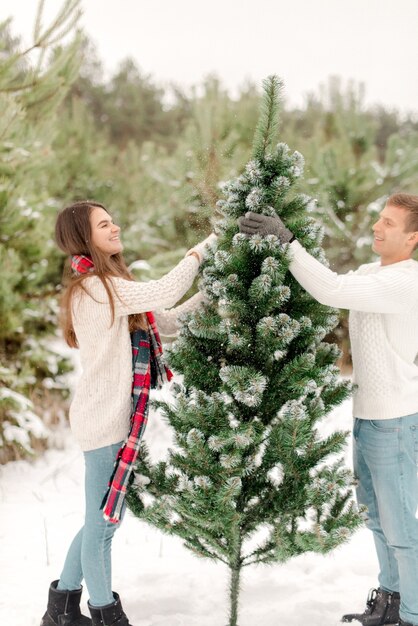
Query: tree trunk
234 592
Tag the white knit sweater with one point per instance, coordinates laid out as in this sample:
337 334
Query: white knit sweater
383 322
101 407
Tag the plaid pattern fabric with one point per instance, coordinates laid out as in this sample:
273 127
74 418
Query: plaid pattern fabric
148 371
81 264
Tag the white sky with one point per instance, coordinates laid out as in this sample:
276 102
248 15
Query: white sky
303 41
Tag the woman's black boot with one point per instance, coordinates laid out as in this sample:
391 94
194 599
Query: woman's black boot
109 615
64 608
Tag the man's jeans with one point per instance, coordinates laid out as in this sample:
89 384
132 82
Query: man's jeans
385 465
89 556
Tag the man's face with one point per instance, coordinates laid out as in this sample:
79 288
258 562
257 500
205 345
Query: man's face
390 240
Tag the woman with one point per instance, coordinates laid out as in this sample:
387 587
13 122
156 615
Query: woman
106 314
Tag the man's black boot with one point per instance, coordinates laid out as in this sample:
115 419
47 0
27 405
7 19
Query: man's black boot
382 608
109 615
64 608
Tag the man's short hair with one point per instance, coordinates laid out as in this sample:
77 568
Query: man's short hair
409 202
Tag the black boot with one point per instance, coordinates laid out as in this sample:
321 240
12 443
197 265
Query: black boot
109 615
64 608
382 608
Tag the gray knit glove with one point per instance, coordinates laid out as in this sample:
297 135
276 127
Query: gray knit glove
256 224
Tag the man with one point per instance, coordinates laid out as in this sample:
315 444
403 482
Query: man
383 303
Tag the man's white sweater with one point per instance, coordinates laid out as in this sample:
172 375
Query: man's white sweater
383 324
101 408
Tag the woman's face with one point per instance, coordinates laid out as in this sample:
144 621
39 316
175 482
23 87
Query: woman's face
104 233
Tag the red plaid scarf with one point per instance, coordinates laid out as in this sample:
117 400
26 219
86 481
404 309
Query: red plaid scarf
148 371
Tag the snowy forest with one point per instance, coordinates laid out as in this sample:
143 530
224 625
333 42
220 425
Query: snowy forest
157 156
171 164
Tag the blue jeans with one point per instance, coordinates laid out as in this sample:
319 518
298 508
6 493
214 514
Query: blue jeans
385 465
89 555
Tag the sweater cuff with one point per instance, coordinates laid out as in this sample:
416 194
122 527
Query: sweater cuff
295 246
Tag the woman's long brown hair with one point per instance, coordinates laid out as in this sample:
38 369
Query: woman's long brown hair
73 236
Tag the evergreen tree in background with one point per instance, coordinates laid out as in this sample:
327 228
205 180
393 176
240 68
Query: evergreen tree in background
250 479
31 88
353 168
214 146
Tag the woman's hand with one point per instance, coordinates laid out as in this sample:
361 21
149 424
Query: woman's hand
201 249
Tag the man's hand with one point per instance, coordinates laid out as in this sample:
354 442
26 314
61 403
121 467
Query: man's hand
256 224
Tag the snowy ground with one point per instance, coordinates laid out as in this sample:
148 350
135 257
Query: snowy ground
160 582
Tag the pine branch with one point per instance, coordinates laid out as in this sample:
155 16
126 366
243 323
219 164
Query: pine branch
16 88
267 126
38 20
70 12
195 545
67 29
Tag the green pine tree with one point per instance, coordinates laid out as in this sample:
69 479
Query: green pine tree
250 479
31 89
355 163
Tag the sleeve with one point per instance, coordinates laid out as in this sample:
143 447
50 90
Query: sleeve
392 290
139 297
167 321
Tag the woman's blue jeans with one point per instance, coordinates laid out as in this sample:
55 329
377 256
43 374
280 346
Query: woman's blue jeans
89 555
385 465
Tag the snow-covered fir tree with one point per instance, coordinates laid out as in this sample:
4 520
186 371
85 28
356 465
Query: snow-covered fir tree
250 479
